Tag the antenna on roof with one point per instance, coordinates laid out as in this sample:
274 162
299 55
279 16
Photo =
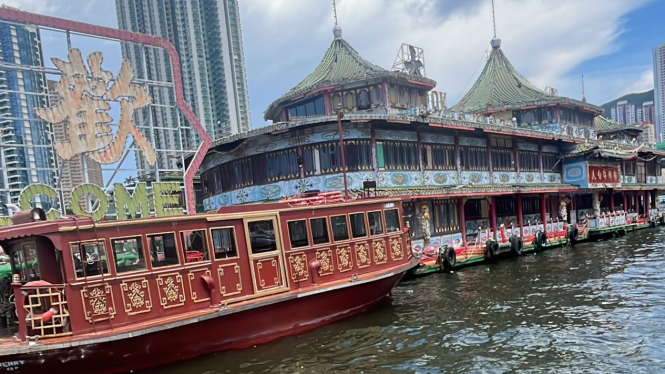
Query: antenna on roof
493 19
583 96
337 31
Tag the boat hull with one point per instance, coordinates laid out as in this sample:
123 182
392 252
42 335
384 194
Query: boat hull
232 331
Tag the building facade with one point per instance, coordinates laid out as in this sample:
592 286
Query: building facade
208 37
508 155
26 153
659 89
646 113
624 112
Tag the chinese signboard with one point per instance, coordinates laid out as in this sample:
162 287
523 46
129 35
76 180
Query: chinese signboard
604 176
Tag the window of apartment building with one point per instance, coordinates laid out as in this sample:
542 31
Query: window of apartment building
439 157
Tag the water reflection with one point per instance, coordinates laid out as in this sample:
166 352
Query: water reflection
593 308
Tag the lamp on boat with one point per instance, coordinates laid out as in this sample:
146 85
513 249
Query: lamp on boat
27 216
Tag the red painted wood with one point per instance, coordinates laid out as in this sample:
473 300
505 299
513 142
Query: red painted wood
520 218
493 215
460 203
543 209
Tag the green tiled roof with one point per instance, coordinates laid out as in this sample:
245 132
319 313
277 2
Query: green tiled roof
340 63
500 87
601 123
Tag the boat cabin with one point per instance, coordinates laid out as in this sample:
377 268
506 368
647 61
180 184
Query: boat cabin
74 276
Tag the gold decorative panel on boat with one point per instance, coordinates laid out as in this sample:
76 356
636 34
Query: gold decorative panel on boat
363 258
98 303
197 287
171 290
268 273
298 267
325 258
230 282
136 296
379 251
344 260
396 251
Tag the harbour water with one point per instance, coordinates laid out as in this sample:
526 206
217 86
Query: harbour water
594 307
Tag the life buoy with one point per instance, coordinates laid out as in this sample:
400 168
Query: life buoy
46 316
449 257
516 245
573 234
492 248
541 239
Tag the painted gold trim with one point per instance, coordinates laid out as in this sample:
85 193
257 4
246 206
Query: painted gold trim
220 274
136 292
379 251
99 294
344 259
170 293
191 277
299 267
363 257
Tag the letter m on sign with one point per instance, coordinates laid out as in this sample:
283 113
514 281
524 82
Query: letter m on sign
132 202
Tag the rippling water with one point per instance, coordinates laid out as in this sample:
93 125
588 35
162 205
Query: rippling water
593 308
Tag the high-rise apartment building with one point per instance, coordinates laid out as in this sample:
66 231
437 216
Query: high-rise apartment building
646 113
71 173
659 89
623 112
26 152
208 38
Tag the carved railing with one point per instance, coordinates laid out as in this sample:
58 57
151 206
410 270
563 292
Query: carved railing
42 310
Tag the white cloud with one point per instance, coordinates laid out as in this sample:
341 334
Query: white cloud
285 39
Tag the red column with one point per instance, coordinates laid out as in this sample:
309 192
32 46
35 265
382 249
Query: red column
493 216
543 211
625 202
520 219
611 201
462 220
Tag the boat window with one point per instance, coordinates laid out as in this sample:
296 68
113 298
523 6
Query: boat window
89 259
25 263
224 243
194 245
375 223
262 236
358 228
319 230
298 234
128 254
339 229
163 250
392 220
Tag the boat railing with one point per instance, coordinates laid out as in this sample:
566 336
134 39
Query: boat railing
42 310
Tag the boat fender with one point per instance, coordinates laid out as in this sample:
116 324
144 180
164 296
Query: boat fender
492 247
541 239
573 234
516 244
450 258
208 283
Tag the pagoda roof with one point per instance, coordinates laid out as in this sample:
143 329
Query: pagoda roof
606 125
501 87
341 64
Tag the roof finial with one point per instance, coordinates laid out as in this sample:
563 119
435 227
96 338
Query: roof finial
496 42
337 30
583 96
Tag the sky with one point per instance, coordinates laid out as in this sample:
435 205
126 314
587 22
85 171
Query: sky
551 43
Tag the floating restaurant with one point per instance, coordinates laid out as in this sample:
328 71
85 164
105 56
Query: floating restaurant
510 167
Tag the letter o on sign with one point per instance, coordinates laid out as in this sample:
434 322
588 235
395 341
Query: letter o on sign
92 189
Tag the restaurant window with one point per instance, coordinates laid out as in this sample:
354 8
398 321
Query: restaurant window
473 158
224 243
651 168
398 155
262 236
392 220
375 223
319 228
358 227
89 259
339 228
529 161
128 254
163 250
439 157
26 263
314 107
298 233
194 245
530 205
280 165
324 158
445 215
502 154
641 172
567 116
473 209
505 206
628 168
551 163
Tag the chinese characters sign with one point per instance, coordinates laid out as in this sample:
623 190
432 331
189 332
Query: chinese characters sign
604 176
83 109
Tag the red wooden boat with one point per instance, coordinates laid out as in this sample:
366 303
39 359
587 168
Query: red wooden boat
117 296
